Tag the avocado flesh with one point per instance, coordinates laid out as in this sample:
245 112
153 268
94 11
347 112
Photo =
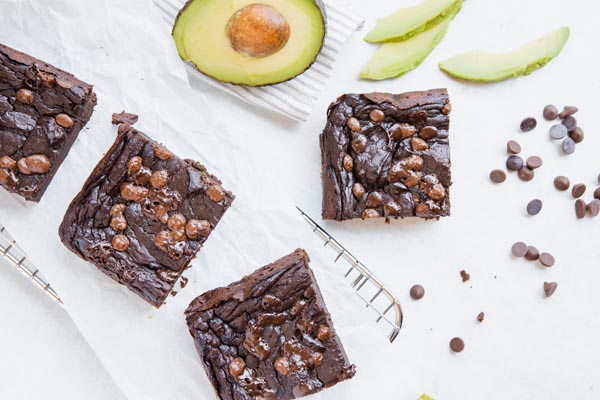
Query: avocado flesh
482 66
201 38
408 22
397 58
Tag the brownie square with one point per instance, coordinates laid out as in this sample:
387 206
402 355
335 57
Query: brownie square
42 110
269 336
387 155
143 214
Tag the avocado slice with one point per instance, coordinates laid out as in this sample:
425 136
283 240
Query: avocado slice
394 59
482 66
408 22
251 43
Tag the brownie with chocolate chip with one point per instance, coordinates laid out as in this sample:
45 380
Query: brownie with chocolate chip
42 110
143 214
268 336
387 155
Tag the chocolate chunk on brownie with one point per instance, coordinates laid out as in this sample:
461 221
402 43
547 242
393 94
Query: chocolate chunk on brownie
42 110
269 336
387 155
143 214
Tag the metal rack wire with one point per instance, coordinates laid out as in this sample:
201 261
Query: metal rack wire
10 251
362 280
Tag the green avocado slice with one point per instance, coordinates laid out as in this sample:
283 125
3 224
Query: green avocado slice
482 66
394 59
408 22
250 43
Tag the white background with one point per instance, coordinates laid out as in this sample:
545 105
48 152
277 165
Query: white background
528 347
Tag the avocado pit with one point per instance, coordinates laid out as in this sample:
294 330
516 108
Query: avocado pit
258 30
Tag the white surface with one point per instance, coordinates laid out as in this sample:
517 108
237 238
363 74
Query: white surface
528 347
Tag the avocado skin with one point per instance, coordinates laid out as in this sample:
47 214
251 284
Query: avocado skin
508 65
318 3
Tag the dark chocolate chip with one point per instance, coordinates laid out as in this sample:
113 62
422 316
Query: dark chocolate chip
526 174
457 345
534 162
514 163
480 317
567 112
464 275
519 249
578 190
497 176
558 131
547 260
417 292
534 207
512 147
550 112
597 193
570 123
528 124
550 288
562 183
532 253
568 146
580 208
594 207
577 135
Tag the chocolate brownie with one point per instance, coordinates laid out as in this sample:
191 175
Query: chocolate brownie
387 155
42 110
143 214
269 336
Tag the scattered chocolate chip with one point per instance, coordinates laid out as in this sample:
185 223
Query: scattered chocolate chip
447 109
514 163
562 183
497 176
161 153
528 124
594 207
117 209
120 243
580 208
24 96
159 179
532 253
577 135
195 229
124 118
558 131
437 192
547 259
526 174
418 144
534 207
428 132
597 193
402 131
457 345
134 165
567 112
348 163
534 162
480 317
417 292
570 123
118 223
353 124
374 200
376 115
359 143
7 162
324 333
162 240
550 112
578 190
391 209
358 190
568 146
465 275
519 249
34 164
370 213
64 120
176 222
215 193
512 147
550 288
131 192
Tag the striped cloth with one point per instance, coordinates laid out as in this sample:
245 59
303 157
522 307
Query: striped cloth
294 98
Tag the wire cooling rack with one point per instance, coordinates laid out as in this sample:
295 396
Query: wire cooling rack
10 251
366 285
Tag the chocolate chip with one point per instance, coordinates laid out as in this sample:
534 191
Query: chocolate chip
457 345
547 260
532 253
64 120
568 111
534 162
528 124
374 200
577 135
550 112
324 333
24 96
120 243
562 183
195 229
514 163
161 153
131 192
159 179
558 131
519 249
437 192
34 164
597 193
447 109
512 147
418 144
236 367
594 207
534 207
421 210
578 190
377 115
358 190
134 165
118 223
480 317
215 193
526 174
464 275
353 124
417 292
570 123
580 208
176 222
497 176
428 132
359 144
7 162
370 213
402 131
162 240
550 288
568 146
391 209
117 209
411 180
348 163
282 366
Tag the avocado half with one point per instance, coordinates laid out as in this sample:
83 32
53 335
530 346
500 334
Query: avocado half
251 42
